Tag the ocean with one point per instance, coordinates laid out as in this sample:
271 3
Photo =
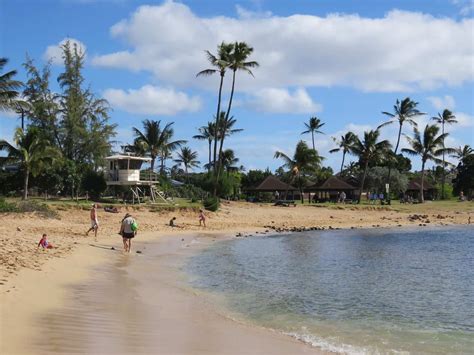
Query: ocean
377 291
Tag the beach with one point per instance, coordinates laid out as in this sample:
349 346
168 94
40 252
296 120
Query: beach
49 297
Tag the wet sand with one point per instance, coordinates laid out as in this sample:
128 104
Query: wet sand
104 301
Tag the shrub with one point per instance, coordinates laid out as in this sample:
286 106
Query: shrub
40 208
211 204
7 206
94 183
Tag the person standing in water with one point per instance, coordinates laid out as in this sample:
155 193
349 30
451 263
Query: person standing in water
128 231
94 221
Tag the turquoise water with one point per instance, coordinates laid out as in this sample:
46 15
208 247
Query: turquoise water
363 291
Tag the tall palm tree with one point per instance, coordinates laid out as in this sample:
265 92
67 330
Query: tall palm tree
345 144
220 63
207 133
461 153
428 147
188 158
369 150
155 141
447 117
305 160
8 88
313 127
238 61
403 112
32 151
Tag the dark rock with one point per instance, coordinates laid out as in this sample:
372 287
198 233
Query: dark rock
139 252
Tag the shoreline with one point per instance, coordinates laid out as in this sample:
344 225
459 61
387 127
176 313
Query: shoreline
45 318
35 282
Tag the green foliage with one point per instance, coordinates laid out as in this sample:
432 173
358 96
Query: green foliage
211 204
465 179
40 208
254 177
8 88
94 183
377 178
7 206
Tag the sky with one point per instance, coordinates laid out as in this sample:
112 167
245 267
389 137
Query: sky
342 61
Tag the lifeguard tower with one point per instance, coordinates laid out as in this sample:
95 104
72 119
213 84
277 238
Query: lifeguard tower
124 170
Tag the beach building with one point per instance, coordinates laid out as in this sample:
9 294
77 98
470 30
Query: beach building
414 186
273 185
330 189
125 170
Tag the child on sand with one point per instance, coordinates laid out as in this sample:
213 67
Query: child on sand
44 242
202 218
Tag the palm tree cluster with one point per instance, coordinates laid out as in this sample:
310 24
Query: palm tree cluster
429 146
230 57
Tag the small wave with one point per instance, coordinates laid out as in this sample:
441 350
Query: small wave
340 348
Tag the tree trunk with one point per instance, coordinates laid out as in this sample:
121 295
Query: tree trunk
186 172
390 163
219 162
210 158
422 196
25 185
342 164
443 176
363 179
217 135
152 165
312 136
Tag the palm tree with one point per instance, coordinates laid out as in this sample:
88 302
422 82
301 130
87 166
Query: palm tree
220 63
369 150
207 133
345 144
403 112
188 158
313 126
462 152
32 151
8 88
304 161
155 141
238 61
229 160
447 117
225 128
428 147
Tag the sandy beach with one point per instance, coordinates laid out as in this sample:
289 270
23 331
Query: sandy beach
78 296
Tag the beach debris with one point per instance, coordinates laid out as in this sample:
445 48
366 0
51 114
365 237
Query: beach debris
112 248
182 239
139 252
18 229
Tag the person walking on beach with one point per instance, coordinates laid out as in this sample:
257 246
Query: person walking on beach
128 230
94 221
202 218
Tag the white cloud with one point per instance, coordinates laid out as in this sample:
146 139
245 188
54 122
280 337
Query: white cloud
55 53
464 120
441 103
282 101
466 7
402 51
152 100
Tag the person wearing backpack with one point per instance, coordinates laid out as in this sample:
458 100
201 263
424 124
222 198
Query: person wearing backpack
128 231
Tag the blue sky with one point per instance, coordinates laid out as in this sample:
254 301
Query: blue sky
342 61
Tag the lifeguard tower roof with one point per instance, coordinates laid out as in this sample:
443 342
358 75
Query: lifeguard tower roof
126 157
